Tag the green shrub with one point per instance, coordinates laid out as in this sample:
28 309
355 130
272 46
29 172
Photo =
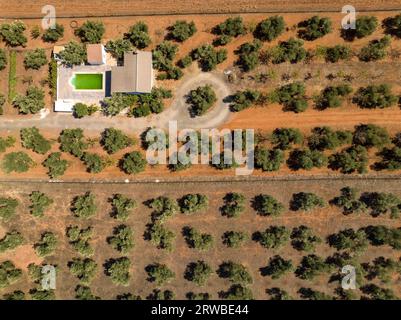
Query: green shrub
234 205
380 203
6 143
349 201
3 59
375 50
392 25
91 32
198 240
122 239
46 245
13 34
311 266
185 62
268 160
277 267
122 207
333 96
182 30
35 59
208 57
283 138
163 208
73 54
95 163
118 47
18 162
84 269
324 138
306 201
310 294
9 274
84 293
84 206
118 102
364 26
53 78
202 99
55 165
270 28
235 272
278 294
337 53
163 55
14 296
370 135
79 239
292 51
314 28
266 205
11 241
349 239
8 207
118 270
150 103
198 272
237 292
138 35
306 159
292 97
303 239
159 236
273 237
72 141
53 34
114 140
375 96
133 163
159 273
234 239
161 295
232 27
39 203
32 102
354 158
192 203
32 139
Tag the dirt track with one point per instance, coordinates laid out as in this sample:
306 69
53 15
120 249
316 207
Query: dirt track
76 8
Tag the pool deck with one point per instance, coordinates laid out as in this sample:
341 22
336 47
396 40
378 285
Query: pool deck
65 91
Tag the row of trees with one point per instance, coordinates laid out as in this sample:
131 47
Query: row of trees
293 97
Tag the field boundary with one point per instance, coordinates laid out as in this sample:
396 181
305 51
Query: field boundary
209 179
194 13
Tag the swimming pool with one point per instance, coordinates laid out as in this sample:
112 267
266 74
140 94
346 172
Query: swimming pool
87 81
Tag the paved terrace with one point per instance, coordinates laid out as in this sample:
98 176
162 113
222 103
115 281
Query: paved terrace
67 92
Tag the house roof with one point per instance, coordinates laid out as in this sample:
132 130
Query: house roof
94 53
136 75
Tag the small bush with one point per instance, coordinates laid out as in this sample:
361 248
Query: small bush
55 165
91 32
35 59
32 139
84 206
314 28
39 203
307 202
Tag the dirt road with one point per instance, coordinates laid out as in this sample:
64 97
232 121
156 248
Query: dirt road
11 9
